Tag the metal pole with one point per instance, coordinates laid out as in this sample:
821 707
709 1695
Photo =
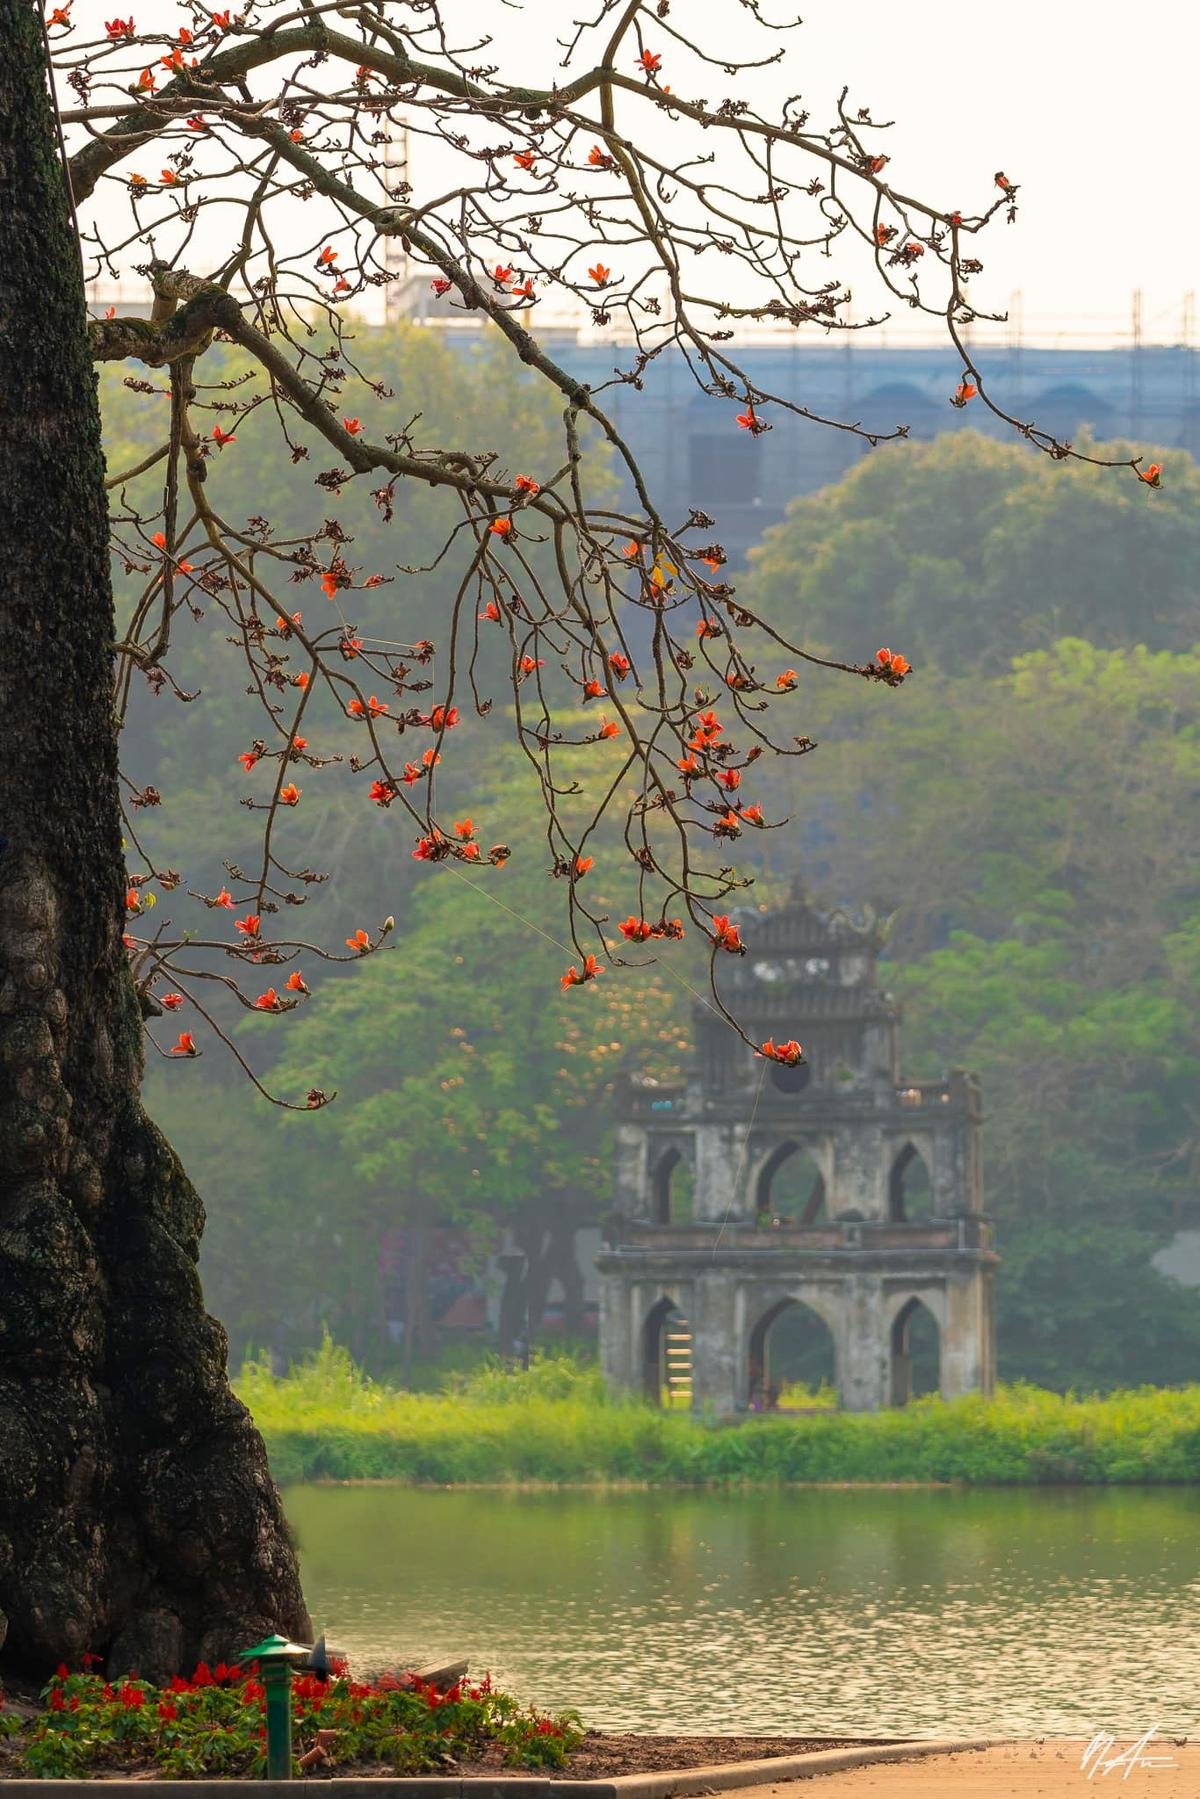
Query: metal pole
277 1679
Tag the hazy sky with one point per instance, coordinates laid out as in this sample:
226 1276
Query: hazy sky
1088 104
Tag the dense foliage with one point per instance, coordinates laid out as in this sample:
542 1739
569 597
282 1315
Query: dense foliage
211 1724
967 552
326 1420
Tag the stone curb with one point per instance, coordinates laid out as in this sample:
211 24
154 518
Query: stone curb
682 1781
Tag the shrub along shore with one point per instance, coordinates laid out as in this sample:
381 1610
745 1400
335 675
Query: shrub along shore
557 1424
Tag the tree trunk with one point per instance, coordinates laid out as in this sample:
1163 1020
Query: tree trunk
137 1514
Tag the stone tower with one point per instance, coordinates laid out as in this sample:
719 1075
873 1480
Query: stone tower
892 1219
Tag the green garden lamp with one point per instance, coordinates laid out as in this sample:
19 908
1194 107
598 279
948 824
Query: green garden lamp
276 1657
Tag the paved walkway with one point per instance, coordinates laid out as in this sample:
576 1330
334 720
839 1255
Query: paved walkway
1046 1770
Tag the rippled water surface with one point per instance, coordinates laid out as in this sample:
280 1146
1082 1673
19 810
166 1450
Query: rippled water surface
865 1612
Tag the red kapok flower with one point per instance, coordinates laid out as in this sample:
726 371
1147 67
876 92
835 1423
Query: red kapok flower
966 390
729 778
527 664
636 930
247 759
501 527
600 274
296 983
186 1045
327 257
892 665
502 274
753 815
750 421
353 426
360 941
290 795
440 287
221 438
146 82
524 159
582 864
224 898
248 926
598 158
171 1002
787 680
120 28
726 935
382 792
268 1001
789 1052
574 978
444 718
649 63
491 612
527 484
1152 476
608 729
619 665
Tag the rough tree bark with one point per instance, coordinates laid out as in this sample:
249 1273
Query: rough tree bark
137 1514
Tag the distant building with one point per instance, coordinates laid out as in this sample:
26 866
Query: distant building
693 454
886 1232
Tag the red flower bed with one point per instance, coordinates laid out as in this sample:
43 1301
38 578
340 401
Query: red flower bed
214 1724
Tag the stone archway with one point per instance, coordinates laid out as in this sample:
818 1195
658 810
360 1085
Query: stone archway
791 1344
666 1352
671 1187
910 1189
790 1187
915 1352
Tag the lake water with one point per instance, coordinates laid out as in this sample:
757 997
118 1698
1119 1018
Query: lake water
830 1611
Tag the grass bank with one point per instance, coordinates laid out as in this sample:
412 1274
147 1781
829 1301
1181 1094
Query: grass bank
557 1424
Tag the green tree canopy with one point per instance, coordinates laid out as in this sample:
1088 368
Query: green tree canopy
966 552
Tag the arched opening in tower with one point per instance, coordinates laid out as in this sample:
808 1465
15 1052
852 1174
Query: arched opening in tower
671 1188
916 1353
790 1189
910 1193
667 1354
792 1360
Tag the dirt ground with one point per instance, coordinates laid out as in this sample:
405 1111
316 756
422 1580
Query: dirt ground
604 1754
1041 1770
